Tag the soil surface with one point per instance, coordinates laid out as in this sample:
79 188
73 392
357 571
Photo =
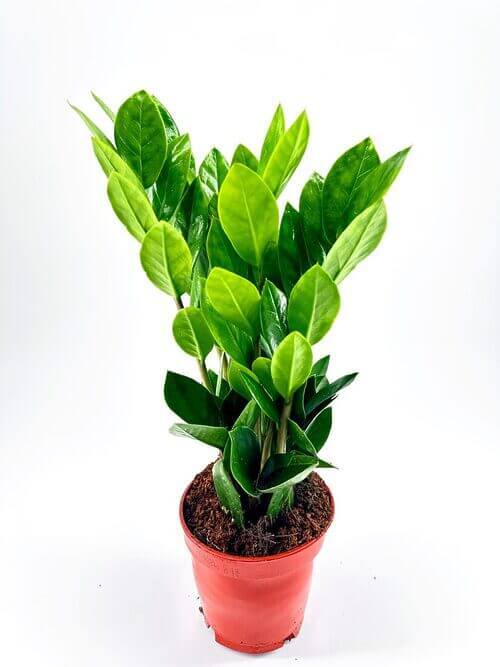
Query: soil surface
307 519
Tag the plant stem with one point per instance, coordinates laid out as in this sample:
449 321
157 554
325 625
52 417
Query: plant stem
285 414
266 447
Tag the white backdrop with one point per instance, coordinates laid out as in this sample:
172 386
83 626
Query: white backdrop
93 569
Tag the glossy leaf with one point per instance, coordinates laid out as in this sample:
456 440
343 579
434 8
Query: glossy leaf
243 155
248 415
111 162
314 304
341 183
301 439
274 133
248 213
227 494
191 332
169 123
166 259
356 242
213 171
235 374
215 436
221 251
329 392
94 129
320 367
110 114
273 319
140 136
281 500
283 470
292 251
235 298
245 458
231 408
198 227
172 181
291 364
235 342
260 396
261 367
319 429
190 400
286 155
131 205
311 210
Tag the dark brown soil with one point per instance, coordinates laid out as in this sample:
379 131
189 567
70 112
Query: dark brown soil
307 519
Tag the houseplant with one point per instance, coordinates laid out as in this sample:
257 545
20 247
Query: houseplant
262 291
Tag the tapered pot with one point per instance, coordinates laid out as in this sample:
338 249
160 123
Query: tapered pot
253 604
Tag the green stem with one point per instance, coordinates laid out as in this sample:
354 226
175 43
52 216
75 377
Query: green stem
285 414
267 446
204 375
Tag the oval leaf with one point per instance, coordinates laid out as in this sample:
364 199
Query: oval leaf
213 171
301 439
314 304
243 155
245 458
319 429
131 205
110 161
293 256
274 133
190 400
260 396
273 320
311 210
235 298
284 470
248 213
286 155
227 494
166 259
216 436
191 332
235 374
291 364
248 415
172 180
221 251
356 242
261 367
140 136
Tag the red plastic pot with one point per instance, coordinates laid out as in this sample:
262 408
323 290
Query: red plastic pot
253 604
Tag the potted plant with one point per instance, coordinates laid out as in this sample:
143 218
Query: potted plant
255 291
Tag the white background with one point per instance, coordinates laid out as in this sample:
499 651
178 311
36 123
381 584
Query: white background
93 569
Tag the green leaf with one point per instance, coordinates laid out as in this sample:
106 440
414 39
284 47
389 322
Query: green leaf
235 374
292 251
168 121
356 242
341 183
111 162
291 364
375 185
140 136
243 155
329 392
248 213
110 114
283 470
274 133
213 171
198 227
191 332
320 367
286 155
273 320
280 501
248 416
190 400
245 458
325 464
221 252
261 367
301 439
235 342
314 304
235 298
131 205
166 259
172 180
260 396
231 408
311 210
227 494
319 429
215 436
95 130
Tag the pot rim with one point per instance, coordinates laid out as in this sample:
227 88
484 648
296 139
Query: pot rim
251 559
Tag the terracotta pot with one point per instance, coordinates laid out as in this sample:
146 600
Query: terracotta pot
253 604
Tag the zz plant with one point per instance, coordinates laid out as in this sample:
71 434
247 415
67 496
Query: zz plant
258 288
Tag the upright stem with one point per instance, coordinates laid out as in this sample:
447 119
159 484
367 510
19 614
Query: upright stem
266 447
285 414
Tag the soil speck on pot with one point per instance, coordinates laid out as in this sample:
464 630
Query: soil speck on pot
307 519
